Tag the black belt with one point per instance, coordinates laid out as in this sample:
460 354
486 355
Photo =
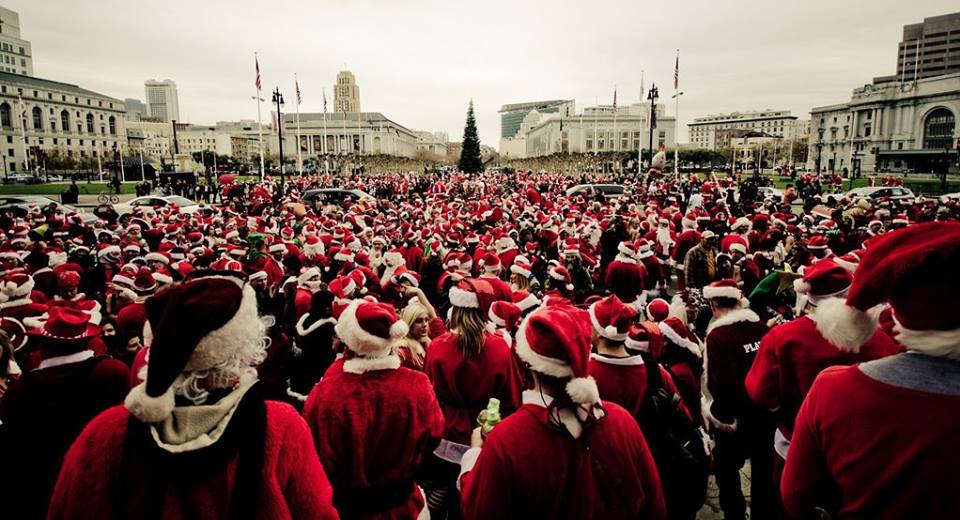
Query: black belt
374 499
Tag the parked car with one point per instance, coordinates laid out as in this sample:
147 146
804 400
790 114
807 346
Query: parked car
955 196
23 204
874 193
609 191
770 191
22 178
338 196
149 202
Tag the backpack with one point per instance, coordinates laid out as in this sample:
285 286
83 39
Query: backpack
676 446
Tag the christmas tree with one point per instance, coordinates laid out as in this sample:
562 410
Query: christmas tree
470 154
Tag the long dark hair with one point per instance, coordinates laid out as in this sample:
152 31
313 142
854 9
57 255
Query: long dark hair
469 327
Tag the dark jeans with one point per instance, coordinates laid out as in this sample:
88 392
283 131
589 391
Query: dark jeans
753 440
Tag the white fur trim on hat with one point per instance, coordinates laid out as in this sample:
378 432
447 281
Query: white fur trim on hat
163 278
626 250
800 286
539 363
361 365
344 257
845 327
149 409
494 319
221 344
738 247
679 340
393 259
115 249
530 301
156 257
313 326
735 316
463 299
278 248
939 343
517 269
722 292
610 331
583 390
358 340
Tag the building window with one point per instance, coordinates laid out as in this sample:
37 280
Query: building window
65 120
89 123
37 118
5 115
938 130
867 130
113 126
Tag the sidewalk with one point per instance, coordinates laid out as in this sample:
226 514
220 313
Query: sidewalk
90 201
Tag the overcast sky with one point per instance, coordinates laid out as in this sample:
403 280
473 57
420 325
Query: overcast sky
420 61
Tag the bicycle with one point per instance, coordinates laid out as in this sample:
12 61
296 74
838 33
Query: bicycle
105 196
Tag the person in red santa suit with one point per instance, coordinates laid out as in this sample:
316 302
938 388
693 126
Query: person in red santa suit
467 366
792 354
196 439
741 429
686 240
15 301
682 357
371 437
308 283
564 454
491 274
887 448
48 406
625 277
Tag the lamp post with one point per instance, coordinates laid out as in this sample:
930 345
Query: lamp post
652 96
820 132
278 100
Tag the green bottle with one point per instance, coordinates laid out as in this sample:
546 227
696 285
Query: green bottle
489 417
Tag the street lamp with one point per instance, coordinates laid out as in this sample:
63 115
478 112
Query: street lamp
652 96
820 132
278 100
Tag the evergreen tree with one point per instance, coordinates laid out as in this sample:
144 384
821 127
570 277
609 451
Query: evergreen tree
470 153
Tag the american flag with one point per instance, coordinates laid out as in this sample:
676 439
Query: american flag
297 85
256 63
324 101
614 101
676 73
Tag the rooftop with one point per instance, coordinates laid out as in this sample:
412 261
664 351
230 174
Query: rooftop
34 82
532 104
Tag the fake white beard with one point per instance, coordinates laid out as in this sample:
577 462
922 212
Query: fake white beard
663 238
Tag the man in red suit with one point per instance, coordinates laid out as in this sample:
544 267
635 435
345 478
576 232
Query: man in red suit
887 447
741 429
156 454
531 465
625 276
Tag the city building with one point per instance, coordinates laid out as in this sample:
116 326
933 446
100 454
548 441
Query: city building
517 118
929 48
15 54
890 126
136 109
364 133
598 129
162 102
781 123
346 93
153 139
40 118
432 144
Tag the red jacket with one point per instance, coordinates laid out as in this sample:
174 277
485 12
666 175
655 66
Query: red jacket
625 279
732 344
373 431
292 483
528 468
624 381
464 384
863 448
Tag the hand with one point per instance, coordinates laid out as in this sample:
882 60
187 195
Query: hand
476 438
411 292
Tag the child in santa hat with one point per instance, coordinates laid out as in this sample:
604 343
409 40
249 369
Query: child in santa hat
556 456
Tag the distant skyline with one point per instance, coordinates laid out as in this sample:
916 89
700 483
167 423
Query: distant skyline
419 62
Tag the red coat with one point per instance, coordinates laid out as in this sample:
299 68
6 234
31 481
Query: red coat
863 448
732 344
302 301
501 290
464 384
685 242
292 484
529 468
373 431
791 356
624 381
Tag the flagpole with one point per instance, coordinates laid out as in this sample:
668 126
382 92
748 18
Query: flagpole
296 85
123 175
616 136
259 119
143 175
323 147
676 118
640 144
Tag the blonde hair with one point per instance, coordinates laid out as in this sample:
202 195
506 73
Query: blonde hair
411 313
521 282
469 326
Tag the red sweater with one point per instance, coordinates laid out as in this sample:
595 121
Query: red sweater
463 385
529 469
624 381
293 484
880 451
790 357
373 431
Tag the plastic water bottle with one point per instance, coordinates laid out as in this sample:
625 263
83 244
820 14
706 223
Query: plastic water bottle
489 417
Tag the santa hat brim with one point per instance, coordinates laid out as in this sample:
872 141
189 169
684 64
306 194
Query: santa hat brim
360 341
463 299
722 292
845 327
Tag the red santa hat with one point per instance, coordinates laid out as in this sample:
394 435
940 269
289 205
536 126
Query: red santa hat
144 282
658 309
471 293
370 330
914 270
491 263
735 243
824 279
65 324
158 256
645 337
561 274
525 300
17 285
626 249
742 222
817 243
677 332
197 325
521 266
726 288
68 279
504 314
611 318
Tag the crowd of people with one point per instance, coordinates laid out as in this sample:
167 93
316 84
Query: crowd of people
266 357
